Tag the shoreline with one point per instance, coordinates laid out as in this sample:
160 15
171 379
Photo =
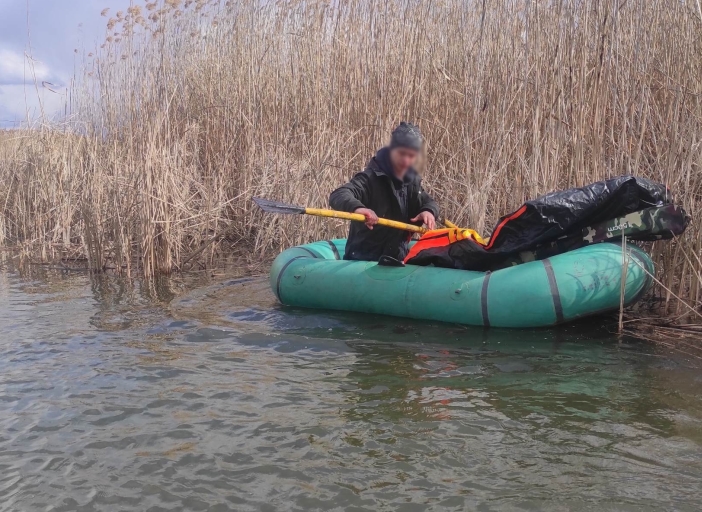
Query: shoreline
645 320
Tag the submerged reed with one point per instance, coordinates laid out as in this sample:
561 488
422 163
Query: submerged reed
191 107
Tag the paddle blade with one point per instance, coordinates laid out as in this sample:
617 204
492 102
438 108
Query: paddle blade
277 207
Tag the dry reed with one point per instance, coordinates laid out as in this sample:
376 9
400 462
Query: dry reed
189 108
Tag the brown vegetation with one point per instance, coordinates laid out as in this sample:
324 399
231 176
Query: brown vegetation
189 108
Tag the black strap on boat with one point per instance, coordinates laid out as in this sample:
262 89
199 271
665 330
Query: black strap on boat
312 253
280 275
555 294
484 300
334 249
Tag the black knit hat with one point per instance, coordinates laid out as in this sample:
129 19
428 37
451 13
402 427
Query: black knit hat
406 135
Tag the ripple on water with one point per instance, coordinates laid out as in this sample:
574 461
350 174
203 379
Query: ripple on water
121 396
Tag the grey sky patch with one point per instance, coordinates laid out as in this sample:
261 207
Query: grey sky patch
56 29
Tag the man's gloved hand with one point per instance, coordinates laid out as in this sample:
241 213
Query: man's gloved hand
426 218
371 217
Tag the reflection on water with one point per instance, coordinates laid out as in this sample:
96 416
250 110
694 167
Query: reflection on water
183 394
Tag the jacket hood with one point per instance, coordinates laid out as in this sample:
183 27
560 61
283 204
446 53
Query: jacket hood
381 164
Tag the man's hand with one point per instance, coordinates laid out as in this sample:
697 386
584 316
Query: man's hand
426 218
371 217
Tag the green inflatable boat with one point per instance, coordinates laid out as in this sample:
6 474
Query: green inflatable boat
547 292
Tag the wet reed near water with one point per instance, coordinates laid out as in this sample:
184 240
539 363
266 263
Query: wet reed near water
190 108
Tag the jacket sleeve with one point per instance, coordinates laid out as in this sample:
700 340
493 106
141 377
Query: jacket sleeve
355 194
426 204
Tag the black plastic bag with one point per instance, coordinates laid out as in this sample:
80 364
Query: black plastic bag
547 218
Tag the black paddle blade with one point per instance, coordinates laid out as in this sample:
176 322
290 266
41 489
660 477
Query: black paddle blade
276 207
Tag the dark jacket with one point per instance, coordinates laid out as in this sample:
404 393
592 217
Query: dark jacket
377 188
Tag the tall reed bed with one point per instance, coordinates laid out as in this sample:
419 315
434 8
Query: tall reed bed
190 108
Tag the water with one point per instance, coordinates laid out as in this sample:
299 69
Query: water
193 395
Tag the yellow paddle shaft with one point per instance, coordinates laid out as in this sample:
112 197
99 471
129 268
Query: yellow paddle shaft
360 218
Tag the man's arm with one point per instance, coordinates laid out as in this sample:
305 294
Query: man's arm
427 203
353 197
428 210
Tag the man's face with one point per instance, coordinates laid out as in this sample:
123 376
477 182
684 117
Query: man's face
402 159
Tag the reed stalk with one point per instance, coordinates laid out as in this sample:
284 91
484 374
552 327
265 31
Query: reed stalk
190 108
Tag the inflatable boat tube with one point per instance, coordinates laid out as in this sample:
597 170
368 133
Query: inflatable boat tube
559 289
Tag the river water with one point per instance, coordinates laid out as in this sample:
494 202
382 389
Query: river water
189 394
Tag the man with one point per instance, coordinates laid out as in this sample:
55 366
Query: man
390 188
